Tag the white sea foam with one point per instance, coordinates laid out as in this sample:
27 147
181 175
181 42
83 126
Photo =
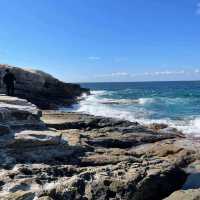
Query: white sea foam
146 100
96 104
99 92
190 127
97 96
125 101
100 107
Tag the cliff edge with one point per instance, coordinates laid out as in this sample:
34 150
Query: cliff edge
41 88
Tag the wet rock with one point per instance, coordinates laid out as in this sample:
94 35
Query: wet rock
62 121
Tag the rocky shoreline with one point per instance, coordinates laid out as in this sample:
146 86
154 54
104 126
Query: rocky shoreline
41 88
48 154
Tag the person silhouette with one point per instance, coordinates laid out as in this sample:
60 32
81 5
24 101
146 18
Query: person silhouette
9 80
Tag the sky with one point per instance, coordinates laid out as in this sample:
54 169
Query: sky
103 40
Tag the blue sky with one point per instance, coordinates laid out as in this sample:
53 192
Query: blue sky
103 40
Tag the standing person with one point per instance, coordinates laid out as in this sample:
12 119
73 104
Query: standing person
9 80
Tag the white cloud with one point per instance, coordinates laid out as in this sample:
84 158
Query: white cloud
153 74
159 73
94 58
156 73
165 72
113 75
119 74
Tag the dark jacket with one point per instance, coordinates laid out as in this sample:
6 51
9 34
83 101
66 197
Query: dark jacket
9 78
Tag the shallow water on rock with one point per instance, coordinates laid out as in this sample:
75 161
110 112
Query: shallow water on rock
192 182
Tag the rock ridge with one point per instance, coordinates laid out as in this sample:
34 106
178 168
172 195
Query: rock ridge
52 155
41 88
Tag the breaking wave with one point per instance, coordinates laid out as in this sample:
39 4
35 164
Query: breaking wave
103 103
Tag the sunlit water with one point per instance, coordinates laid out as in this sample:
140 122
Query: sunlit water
174 103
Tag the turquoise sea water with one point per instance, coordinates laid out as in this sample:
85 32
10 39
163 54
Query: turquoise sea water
174 103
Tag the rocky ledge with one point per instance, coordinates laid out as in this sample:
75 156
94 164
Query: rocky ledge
41 88
51 155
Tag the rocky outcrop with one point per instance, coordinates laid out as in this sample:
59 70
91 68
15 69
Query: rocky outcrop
43 89
75 156
193 194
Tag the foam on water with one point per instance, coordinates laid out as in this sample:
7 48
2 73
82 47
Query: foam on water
97 96
99 104
94 105
191 127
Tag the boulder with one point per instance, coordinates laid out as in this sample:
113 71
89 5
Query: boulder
18 113
43 89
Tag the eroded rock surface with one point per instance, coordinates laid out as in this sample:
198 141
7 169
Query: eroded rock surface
41 88
193 194
81 157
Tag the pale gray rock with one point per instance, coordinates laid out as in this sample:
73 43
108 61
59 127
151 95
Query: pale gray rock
16 112
193 194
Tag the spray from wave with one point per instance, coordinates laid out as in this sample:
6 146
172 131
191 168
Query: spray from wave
139 110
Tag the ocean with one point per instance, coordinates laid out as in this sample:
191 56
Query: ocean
174 103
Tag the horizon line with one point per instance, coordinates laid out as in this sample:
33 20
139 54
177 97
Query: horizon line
138 81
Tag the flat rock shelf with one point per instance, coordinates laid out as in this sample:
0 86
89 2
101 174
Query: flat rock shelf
52 155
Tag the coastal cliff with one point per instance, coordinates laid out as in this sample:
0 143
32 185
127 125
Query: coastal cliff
42 89
53 155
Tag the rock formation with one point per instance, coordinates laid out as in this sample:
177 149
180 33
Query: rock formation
43 89
52 155
193 194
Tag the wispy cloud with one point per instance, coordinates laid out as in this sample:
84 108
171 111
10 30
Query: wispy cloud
112 75
159 73
120 74
198 8
94 58
164 73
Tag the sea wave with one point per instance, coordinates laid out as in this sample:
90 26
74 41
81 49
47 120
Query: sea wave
125 101
96 105
99 92
106 111
99 105
190 126
97 96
